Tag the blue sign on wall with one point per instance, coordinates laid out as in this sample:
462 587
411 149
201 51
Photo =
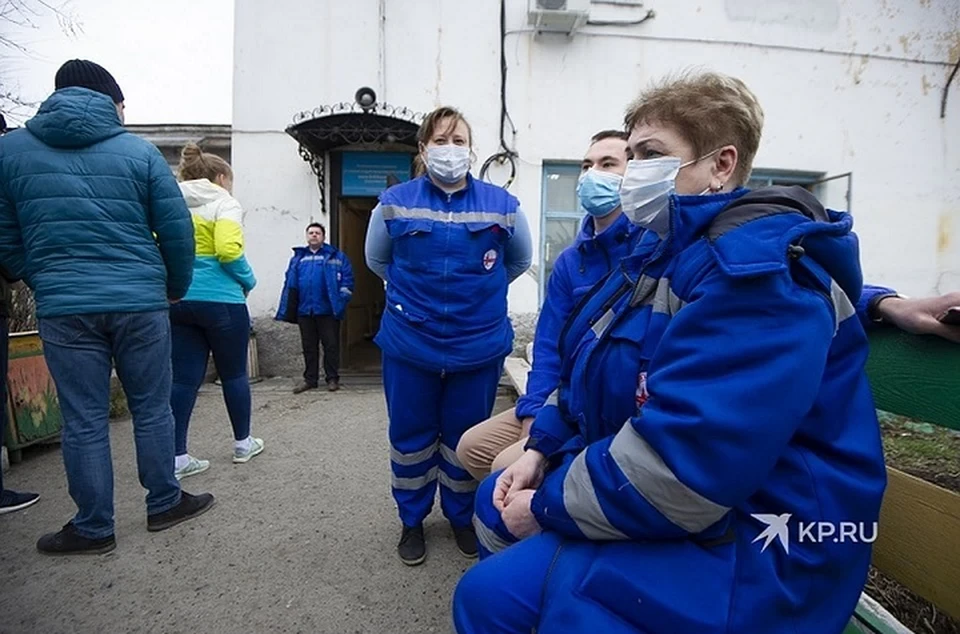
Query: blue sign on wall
366 173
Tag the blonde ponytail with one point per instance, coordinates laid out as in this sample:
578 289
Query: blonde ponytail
196 164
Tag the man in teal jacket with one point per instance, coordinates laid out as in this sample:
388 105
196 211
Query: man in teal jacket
92 219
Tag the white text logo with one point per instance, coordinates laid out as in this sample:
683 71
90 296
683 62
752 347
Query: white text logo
777 528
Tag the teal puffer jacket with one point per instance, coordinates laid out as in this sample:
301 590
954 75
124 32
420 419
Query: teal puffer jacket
91 216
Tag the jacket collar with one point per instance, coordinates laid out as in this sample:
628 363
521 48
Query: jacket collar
690 215
303 250
615 234
440 192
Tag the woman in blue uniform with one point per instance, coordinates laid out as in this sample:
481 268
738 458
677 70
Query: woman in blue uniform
448 246
712 403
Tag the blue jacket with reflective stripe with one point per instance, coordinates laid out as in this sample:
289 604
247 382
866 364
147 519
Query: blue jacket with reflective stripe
577 269
447 277
717 377
308 275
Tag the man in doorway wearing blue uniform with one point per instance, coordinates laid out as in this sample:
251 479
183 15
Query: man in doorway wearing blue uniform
318 287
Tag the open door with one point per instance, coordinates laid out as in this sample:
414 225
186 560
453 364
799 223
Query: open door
834 192
362 321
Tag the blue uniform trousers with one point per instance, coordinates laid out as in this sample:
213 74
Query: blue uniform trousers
428 413
503 593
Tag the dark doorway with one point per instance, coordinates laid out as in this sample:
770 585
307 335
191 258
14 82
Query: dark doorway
356 153
362 322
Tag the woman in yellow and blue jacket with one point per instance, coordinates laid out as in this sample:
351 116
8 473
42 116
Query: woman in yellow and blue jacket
213 315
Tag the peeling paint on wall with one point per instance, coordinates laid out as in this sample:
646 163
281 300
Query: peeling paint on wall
943 234
906 40
858 68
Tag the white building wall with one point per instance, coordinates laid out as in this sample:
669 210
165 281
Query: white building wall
875 113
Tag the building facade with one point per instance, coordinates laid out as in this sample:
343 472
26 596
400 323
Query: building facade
171 137
855 94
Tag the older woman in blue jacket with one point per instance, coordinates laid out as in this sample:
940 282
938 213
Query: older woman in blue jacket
711 391
448 246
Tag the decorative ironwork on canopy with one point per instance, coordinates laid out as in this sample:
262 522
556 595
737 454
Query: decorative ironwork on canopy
322 129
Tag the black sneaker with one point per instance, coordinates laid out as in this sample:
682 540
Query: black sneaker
68 542
303 387
466 541
412 549
11 501
190 507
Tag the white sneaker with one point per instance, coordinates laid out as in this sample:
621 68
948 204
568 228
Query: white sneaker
193 467
256 446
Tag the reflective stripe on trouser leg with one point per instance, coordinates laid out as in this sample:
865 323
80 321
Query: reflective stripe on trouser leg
492 534
414 433
414 486
455 482
467 400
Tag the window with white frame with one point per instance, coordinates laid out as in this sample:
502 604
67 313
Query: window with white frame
834 192
769 177
560 215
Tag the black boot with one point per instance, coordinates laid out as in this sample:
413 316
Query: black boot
466 541
412 548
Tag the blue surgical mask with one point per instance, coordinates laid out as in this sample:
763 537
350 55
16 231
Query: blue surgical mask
599 192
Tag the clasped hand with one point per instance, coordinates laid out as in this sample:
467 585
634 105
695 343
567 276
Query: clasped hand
514 492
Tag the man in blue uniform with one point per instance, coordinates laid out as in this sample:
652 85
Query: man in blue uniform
318 287
605 237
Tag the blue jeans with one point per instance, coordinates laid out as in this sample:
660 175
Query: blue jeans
198 329
4 352
78 350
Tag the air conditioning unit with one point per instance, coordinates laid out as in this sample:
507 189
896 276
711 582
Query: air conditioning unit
558 16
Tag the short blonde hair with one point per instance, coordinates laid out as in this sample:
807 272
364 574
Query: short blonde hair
707 109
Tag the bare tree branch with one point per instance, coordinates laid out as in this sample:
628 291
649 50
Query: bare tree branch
27 15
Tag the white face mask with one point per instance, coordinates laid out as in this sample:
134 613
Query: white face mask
646 189
448 163
645 192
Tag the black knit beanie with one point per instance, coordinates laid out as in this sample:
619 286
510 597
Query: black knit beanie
86 74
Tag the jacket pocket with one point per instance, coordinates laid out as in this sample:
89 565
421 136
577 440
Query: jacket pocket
412 248
485 248
667 586
403 313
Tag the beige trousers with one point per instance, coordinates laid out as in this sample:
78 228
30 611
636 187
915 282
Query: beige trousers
494 444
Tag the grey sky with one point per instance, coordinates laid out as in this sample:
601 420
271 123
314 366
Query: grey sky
172 59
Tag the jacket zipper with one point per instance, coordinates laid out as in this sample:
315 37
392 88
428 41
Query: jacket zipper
446 281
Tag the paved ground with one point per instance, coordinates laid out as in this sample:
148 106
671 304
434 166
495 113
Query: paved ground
302 538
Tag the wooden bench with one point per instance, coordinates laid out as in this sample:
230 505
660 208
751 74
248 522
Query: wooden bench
918 541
